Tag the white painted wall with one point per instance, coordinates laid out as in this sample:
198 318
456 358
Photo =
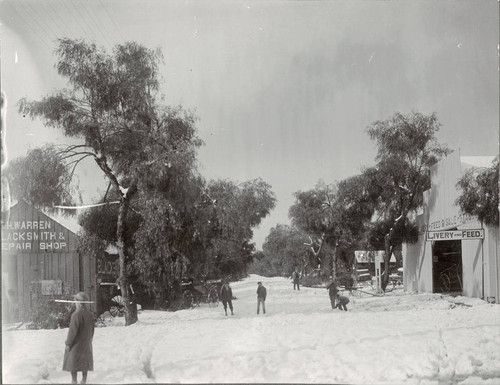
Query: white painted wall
492 264
441 213
472 264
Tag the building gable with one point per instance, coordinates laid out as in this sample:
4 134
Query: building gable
28 230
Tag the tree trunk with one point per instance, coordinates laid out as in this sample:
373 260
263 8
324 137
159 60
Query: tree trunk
130 307
387 258
398 252
334 263
388 249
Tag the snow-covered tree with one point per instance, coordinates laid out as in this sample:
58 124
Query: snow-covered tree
407 148
41 179
198 230
316 213
334 217
284 251
113 104
238 208
480 193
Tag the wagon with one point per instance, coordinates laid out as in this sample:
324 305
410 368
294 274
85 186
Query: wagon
206 292
112 300
117 308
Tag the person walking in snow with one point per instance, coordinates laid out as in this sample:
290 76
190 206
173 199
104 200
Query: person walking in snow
296 278
332 292
78 355
261 297
342 302
226 296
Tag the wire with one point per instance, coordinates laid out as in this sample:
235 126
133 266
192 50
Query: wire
112 21
90 30
65 20
53 21
108 31
93 18
47 29
86 206
74 17
23 19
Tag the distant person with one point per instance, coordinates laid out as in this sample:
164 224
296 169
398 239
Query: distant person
332 292
78 355
342 302
261 297
296 279
226 296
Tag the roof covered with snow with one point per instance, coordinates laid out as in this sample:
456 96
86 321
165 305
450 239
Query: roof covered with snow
476 161
68 221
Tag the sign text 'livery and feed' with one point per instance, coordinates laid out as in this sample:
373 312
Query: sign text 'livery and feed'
455 235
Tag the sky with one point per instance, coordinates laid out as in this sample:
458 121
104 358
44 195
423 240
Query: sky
400 338
284 90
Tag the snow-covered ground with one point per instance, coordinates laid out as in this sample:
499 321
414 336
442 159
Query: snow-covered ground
416 339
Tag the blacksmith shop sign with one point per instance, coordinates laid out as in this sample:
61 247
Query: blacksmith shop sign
455 235
31 236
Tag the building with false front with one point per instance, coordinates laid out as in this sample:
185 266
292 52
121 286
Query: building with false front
40 259
455 253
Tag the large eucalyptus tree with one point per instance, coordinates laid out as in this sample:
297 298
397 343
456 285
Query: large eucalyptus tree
479 193
407 148
113 105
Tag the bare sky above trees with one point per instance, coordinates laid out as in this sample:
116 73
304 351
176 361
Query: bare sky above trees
284 90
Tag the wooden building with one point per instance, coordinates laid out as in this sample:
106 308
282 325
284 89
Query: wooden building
455 253
40 258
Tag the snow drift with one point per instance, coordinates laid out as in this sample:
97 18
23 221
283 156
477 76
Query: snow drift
411 338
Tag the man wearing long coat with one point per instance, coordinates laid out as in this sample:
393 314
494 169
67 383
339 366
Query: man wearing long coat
226 296
332 291
261 297
78 355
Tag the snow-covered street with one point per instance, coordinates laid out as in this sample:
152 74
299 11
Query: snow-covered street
417 339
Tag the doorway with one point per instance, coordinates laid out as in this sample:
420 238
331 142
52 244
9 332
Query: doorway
447 266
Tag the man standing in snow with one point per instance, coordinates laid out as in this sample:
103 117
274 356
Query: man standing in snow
226 296
261 297
332 292
296 279
78 354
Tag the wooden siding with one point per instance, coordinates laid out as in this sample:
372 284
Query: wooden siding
88 279
440 210
480 258
28 230
492 260
36 248
37 267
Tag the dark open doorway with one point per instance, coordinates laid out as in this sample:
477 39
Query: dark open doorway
447 266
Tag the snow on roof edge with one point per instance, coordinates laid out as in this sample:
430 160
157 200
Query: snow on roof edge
68 222
477 161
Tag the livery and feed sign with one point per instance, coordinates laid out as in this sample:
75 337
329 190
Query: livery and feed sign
455 235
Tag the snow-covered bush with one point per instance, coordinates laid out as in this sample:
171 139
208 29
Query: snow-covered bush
311 281
48 314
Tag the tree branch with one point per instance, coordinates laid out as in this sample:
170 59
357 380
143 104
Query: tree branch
76 162
312 245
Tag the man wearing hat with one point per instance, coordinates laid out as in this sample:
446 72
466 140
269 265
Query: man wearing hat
332 291
78 354
261 297
226 296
